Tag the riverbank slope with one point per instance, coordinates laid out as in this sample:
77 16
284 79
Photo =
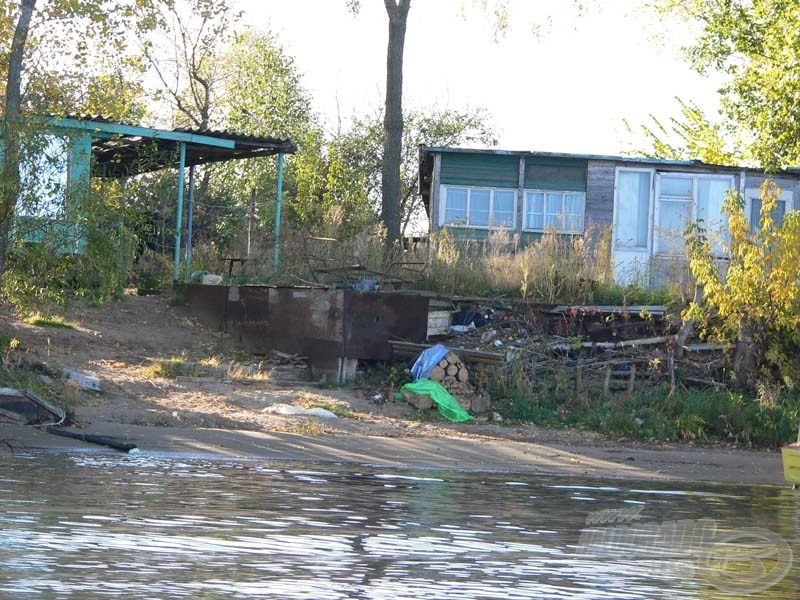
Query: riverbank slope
217 402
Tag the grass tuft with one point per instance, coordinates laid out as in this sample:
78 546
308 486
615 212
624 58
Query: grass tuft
50 321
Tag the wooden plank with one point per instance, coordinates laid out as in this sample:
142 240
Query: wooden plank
655 310
466 355
600 192
704 347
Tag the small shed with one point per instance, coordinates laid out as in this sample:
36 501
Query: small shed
98 147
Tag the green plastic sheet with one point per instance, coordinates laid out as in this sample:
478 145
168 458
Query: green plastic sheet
448 406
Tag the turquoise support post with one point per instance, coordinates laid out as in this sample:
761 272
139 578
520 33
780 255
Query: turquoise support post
78 189
189 218
276 257
178 219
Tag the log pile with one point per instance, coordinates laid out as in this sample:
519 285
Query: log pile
452 373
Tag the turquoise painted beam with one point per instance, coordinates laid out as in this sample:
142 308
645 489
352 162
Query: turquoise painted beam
276 255
99 127
178 224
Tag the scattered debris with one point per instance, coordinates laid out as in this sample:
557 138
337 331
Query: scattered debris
212 279
100 440
27 408
83 379
606 347
290 410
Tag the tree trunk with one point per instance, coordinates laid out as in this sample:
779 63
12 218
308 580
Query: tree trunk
11 127
393 120
744 362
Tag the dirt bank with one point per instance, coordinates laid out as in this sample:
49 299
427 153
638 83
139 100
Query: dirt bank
216 406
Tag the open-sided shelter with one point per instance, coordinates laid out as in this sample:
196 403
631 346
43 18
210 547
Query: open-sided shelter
97 147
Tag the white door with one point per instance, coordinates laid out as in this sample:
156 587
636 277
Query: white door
631 245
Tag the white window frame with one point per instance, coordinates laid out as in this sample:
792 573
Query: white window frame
443 189
787 197
562 229
692 201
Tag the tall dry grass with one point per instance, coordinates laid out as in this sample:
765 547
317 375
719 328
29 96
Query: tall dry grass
553 268
550 269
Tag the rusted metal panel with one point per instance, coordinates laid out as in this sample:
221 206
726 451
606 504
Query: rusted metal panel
328 326
247 304
207 303
372 320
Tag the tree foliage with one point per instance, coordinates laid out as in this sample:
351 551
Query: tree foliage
756 299
756 45
356 156
691 136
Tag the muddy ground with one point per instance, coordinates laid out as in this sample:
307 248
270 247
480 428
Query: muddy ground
217 403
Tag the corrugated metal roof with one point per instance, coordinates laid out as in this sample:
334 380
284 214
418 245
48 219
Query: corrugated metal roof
121 149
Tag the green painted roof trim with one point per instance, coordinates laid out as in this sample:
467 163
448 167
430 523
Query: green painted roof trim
113 129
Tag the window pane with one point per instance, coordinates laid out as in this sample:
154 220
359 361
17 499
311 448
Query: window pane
573 212
553 209
503 209
479 207
672 220
573 204
43 177
711 194
676 186
534 219
455 206
633 209
755 213
780 212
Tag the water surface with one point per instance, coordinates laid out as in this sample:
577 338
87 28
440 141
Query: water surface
100 525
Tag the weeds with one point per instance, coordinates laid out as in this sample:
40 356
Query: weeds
166 368
704 415
50 321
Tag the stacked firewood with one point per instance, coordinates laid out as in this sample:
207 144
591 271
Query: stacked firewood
452 373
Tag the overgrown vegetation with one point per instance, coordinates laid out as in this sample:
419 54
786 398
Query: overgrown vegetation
167 368
755 301
701 415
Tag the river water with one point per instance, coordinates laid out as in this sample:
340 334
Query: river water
100 525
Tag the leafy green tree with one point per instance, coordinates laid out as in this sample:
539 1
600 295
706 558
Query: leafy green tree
691 136
754 44
182 46
263 95
356 157
48 62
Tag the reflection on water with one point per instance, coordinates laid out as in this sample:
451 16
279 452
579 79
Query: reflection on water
97 526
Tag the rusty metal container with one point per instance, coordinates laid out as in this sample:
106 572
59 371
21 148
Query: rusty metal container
334 328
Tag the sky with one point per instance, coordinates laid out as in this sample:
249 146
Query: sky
568 88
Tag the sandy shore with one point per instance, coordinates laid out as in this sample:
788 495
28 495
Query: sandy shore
216 415
672 463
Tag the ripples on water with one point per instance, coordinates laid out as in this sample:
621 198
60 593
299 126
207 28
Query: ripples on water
97 526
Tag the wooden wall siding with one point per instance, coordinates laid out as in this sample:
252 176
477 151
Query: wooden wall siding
465 234
600 192
553 177
484 170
